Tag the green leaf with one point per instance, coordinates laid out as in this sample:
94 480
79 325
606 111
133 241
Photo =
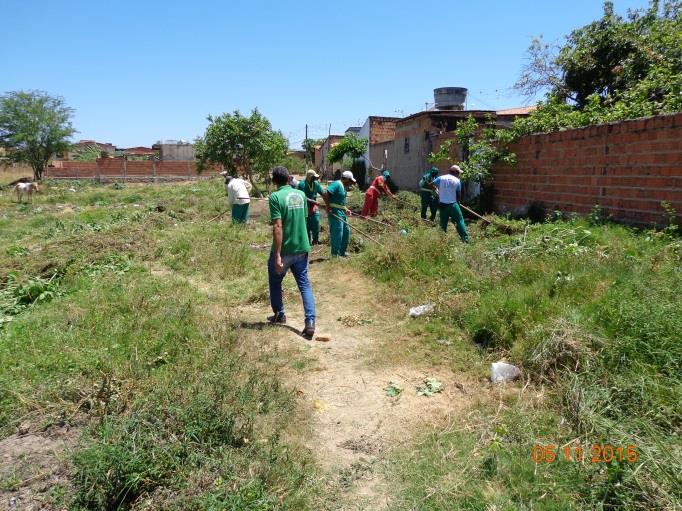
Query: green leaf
393 390
430 387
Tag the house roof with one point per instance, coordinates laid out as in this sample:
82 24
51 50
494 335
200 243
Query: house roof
382 118
524 110
139 150
447 113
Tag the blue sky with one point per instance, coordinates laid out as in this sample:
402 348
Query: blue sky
136 72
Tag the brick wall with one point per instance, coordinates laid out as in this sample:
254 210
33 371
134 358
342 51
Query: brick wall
626 168
116 168
382 129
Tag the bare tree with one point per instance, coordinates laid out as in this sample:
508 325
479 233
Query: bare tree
542 73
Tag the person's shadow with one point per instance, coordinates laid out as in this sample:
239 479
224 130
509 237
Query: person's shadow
264 325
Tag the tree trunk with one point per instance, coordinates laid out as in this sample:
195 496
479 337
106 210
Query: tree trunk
255 187
38 172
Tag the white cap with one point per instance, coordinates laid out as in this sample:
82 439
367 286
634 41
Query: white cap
348 175
455 168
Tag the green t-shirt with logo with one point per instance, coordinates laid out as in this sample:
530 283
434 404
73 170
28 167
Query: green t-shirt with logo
311 193
289 205
337 193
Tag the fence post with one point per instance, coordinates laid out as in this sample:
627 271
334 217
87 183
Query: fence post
125 169
189 170
153 170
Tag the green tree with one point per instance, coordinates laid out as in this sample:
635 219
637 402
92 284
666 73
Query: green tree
246 146
350 146
632 63
34 126
308 145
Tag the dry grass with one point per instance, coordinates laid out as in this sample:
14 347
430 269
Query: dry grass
9 173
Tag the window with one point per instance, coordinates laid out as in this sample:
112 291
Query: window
406 147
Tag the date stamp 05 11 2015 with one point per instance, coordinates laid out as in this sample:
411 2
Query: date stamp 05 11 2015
595 453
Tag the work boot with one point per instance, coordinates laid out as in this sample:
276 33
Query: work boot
280 317
309 329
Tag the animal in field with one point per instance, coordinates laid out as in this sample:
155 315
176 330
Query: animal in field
26 188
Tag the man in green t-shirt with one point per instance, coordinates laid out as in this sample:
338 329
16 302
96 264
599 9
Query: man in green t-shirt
335 199
312 187
428 196
290 249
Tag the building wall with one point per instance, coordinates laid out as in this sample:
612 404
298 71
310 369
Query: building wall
626 168
411 147
382 129
176 152
377 130
325 169
118 168
424 133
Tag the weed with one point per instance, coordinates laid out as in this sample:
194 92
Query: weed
18 294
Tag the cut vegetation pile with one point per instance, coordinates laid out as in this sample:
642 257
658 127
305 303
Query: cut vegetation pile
116 319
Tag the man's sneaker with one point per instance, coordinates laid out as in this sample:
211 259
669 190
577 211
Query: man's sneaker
309 329
280 317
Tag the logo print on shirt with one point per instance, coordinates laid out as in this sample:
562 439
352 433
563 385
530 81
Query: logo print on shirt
295 201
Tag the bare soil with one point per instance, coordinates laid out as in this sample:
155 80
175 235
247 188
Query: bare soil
33 468
355 424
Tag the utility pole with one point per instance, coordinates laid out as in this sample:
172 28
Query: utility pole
306 147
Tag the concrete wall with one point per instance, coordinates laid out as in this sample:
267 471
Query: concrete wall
176 152
626 168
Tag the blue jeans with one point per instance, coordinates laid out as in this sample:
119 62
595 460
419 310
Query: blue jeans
299 267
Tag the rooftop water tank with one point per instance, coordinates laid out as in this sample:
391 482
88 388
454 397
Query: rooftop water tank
450 98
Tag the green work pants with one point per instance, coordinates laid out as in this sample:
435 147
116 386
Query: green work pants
452 212
339 232
240 213
313 225
429 202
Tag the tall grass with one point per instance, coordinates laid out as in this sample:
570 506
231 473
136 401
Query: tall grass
592 315
132 342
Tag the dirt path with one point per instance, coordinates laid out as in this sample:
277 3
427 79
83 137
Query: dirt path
355 424
34 468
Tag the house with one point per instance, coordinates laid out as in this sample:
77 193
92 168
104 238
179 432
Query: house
379 132
323 167
417 135
174 150
81 145
140 152
296 153
354 130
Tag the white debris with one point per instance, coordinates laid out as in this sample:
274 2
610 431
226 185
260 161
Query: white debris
72 189
420 310
501 372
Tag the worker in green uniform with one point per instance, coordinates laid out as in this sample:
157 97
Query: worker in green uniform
449 189
428 195
312 187
335 199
